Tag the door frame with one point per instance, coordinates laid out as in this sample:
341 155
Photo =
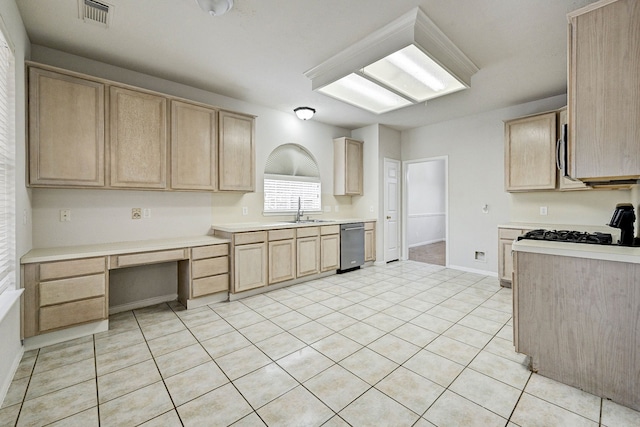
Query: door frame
405 198
399 232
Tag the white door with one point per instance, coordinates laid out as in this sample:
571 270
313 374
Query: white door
391 210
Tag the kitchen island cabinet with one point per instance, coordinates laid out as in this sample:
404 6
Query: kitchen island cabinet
576 310
369 241
604 91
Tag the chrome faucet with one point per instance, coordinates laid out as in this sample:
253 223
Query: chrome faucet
300 212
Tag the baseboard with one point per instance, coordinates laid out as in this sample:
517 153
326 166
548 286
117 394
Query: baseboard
473 270
62 335
4 388
142 303
206 300
427 242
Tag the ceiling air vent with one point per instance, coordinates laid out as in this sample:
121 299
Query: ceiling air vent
94 12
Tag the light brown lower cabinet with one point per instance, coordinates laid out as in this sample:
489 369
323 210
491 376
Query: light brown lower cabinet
369 241
307 251
506 236
209 270
250 261
282 255
64 293
329 248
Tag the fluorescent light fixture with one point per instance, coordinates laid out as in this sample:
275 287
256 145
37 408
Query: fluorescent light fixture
412 73
392 68
363 93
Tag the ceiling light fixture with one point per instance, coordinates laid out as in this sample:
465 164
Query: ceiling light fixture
393 68
304 113
215 7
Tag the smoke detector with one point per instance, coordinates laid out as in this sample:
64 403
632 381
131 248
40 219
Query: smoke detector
95 12
215 7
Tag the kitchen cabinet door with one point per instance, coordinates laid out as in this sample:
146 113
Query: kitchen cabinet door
530 153
369 241
66 130
250 266
329 252
604 91
347 167
194 146
308 256
506 236
237 152
138 139
282 260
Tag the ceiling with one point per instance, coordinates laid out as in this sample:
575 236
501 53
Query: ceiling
259 50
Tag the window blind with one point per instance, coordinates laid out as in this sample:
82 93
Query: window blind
7 145
281 194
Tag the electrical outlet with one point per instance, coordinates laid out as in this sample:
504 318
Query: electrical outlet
65 215
371 209
136 213
146 213
543 210
245 210
336 208
327 208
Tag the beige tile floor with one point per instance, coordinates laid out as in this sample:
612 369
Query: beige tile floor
407 344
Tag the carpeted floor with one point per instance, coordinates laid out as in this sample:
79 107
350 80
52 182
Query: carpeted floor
430 254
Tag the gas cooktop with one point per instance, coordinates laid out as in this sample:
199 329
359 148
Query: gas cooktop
568 236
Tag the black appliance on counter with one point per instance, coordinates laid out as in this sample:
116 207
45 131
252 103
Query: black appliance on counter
623 218
568 236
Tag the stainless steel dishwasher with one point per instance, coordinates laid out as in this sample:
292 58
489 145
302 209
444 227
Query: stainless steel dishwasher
351 246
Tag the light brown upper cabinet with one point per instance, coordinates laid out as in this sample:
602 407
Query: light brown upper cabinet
88 132
604 91
138 139
237 152
530 153
194 145
66 130
347 167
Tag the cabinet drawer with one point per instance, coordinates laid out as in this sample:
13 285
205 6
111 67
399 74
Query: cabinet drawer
209 267
209 251
210 285
147 258
509 233
369 225
329 229
251 237
76 267
65 290
308 231
72 313
285 234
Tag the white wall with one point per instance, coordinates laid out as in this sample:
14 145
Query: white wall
426 210
475 148
11 347
105 215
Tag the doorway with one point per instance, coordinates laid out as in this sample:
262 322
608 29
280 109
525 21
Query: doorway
426 210
392 203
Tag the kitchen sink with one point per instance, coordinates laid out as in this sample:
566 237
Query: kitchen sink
309 221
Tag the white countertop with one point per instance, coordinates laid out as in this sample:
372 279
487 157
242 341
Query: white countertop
580 250
261 226
116 248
